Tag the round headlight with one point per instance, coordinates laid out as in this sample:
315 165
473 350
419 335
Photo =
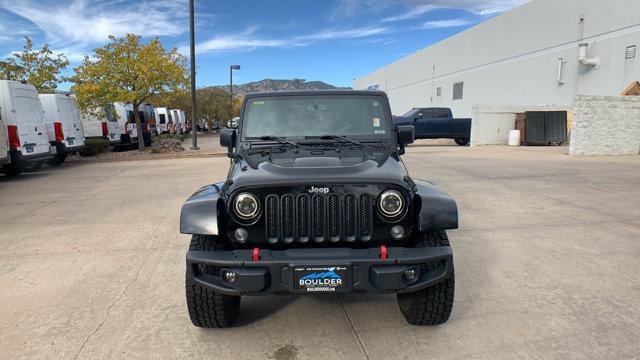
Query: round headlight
391 203
246 206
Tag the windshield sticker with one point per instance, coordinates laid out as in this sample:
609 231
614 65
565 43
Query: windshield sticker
375 103
258 102
376 122
379 131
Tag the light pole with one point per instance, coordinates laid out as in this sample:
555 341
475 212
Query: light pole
231 68
192 45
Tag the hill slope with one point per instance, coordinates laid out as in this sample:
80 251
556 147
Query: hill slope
268 85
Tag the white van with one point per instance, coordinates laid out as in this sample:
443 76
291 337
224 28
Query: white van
21 110
163 120
64 127
184 125
177 124
103 126
128 130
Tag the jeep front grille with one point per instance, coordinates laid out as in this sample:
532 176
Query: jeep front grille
319 218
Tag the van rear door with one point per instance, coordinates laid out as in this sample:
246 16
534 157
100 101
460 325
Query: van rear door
29 119
76 121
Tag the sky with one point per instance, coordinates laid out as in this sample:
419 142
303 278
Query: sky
333 41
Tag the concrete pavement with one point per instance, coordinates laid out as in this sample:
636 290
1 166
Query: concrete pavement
92 266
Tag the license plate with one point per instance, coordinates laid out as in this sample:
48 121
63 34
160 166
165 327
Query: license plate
29 149
320 278
70 141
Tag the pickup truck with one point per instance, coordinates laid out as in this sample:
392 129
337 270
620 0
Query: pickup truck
436 123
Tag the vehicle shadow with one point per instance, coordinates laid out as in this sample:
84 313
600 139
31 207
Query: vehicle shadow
255 308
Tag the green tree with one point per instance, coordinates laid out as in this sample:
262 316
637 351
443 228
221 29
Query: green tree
129 71
213 106
40 68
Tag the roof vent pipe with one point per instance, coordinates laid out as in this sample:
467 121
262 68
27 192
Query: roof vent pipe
584 60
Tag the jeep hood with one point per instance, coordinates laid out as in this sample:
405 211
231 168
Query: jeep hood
318 171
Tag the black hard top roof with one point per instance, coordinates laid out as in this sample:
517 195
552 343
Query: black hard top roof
317 92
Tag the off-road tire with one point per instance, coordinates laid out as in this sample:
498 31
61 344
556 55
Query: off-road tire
207 308
433 305
462 141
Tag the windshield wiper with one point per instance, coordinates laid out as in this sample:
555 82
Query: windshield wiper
281 140
336 137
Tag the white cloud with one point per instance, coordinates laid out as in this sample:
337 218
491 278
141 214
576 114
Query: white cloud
411 14
437 24
83 22
416 8
248 40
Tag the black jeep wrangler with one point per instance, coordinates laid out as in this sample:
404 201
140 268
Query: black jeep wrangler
316 200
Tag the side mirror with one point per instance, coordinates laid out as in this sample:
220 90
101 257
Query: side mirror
417 116
228 140
405 136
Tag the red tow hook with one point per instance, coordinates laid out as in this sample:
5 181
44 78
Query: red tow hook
383 252
256 255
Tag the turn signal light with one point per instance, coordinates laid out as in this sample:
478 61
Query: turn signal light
14 139
57 127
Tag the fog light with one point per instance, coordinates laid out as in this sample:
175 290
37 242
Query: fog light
230 276
397 232
410 274
241 235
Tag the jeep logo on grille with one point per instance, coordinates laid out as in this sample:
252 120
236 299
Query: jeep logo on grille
318 190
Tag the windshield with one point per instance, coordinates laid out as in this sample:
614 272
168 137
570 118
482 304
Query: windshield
294 117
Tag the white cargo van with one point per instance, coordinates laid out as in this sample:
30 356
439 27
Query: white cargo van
64 127
21 111
163 120
103 126
128 129
184 125
177 124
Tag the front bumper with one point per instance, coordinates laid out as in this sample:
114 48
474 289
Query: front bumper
273 272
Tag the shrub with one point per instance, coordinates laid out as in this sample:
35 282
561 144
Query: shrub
94 146
167 143
164 137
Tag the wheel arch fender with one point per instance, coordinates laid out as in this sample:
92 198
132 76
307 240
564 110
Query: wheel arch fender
200 213
436 210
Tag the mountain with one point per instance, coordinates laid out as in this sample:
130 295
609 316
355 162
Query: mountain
268 85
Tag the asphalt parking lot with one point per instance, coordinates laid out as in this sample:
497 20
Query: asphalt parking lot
92 266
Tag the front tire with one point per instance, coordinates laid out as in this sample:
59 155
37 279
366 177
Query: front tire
207 308
433 305
462 141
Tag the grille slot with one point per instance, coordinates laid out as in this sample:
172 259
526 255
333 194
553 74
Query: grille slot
287 218
320 217
271 218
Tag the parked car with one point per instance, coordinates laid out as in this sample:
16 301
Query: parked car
436 123
105 126
4 144
64 126
318 200
233 123
21 110
163 120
